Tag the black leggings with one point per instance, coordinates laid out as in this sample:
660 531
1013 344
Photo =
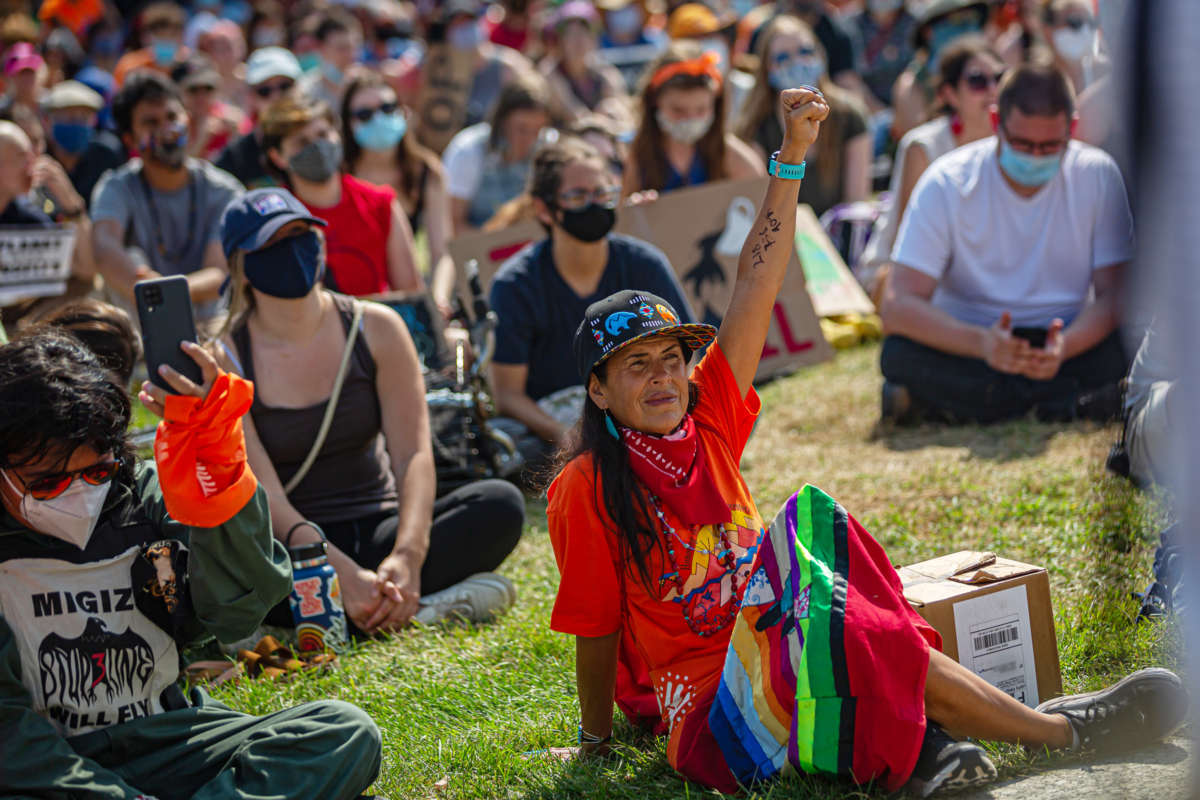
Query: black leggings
474 529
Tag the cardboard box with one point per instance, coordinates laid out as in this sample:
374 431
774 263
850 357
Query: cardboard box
995 618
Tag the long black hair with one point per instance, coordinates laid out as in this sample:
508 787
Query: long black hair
55 397
625 499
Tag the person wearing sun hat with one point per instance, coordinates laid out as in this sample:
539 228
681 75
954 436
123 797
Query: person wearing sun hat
70 112
768 649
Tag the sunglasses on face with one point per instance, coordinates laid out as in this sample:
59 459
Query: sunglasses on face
981 81
48 487
267 89
365 114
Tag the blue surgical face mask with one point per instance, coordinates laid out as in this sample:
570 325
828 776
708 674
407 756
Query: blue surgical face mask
72 137
308 61
1028 170
797 72
288 269
332 73
381 132
164 51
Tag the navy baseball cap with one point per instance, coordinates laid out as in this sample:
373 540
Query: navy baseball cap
625 317
251 220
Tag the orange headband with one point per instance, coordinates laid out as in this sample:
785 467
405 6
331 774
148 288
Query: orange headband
705 64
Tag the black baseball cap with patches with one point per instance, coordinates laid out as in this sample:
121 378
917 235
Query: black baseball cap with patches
625 317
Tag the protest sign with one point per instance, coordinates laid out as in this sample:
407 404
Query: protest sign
833 288
442 101
701 231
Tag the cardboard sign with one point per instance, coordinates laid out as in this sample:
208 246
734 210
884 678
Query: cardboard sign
442 102
701 231
833 288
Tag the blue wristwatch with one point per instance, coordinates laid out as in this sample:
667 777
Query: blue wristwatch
791 172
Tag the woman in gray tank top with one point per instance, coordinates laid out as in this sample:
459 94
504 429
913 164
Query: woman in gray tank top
370 490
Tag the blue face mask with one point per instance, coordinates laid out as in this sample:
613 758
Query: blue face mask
332 73
797 72
309 60
72 137
288 269
465 36
381 132
1026 169
164 51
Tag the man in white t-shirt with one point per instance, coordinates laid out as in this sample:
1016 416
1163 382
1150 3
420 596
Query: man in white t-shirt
1007 269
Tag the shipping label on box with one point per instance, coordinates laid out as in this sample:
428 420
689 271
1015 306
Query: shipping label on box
996 643
995 618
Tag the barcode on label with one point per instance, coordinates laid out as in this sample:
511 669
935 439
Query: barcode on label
996 638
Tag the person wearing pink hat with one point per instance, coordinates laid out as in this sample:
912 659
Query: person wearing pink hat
23 67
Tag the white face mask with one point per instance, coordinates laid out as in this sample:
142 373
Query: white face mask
72 516
686 131
1075 43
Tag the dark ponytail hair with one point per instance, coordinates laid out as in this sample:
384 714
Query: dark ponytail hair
629 512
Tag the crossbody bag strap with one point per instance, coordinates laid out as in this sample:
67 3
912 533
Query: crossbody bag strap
331 405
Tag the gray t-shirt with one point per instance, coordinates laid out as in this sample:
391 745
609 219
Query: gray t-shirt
171 229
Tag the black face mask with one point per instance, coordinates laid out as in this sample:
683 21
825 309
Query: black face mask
287 269
590 223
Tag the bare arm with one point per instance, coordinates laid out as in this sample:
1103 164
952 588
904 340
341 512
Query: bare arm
596 679
443 274
401 266
741 160
763 262
908 100
205 283
1098 319
907 310
856 168
119 270
631 180
401 391
458 214
508 387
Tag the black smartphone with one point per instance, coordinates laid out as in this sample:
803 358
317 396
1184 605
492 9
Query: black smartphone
1035 336
165 312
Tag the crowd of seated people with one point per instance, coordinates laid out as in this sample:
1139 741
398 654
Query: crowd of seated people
283 158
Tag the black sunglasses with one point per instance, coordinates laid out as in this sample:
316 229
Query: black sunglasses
265 90
982 81
365 114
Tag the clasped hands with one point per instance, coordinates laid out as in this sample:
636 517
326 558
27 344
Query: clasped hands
383 600
1013 355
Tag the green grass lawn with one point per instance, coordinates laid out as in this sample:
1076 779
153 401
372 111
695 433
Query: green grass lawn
464 704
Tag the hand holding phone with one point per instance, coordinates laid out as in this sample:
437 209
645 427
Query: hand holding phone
165 312
1034 335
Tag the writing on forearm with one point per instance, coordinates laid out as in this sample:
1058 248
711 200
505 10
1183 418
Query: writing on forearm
765 241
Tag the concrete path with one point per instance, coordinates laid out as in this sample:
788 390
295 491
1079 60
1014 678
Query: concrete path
1161 772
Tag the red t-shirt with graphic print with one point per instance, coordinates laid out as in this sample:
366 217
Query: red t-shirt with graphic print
681 634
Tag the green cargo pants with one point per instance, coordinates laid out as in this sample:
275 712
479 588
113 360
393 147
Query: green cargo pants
326 749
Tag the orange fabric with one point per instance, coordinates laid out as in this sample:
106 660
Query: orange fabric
201 454
706 64
142 59
680 636
77 15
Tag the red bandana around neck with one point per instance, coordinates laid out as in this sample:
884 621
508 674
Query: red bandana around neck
674 469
